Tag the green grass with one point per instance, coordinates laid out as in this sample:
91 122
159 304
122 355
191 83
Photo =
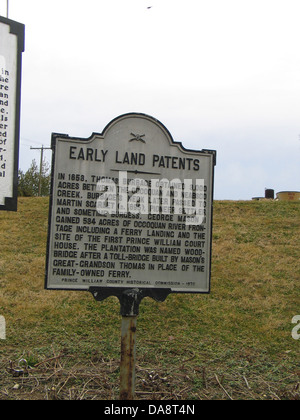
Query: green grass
234 343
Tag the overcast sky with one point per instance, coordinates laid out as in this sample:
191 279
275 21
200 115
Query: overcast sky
219 74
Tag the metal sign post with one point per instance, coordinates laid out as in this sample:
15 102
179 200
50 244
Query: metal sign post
128 357
129 312
130 300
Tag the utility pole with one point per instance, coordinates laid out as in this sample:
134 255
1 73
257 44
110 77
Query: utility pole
41 164
7 7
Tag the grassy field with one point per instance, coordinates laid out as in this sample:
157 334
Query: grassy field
235 343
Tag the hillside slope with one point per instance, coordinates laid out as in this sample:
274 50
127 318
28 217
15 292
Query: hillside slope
234 343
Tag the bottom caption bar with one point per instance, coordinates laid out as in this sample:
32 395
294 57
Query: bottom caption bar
134 409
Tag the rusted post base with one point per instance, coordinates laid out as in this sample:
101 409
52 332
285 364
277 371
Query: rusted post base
128 358
130 300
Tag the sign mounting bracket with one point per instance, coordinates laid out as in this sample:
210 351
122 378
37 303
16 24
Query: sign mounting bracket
129 299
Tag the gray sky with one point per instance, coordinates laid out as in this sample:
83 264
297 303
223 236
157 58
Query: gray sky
219 74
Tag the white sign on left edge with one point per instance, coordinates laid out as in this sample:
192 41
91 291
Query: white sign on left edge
11 48
2 328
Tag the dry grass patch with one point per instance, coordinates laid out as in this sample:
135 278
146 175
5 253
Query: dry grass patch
232 344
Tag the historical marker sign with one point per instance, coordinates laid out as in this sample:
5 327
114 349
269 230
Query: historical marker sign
11 48
130 208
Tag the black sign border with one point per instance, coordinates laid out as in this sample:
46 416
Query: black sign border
101 293
18 29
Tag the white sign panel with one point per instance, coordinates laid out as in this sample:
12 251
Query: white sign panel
130 208
11 47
